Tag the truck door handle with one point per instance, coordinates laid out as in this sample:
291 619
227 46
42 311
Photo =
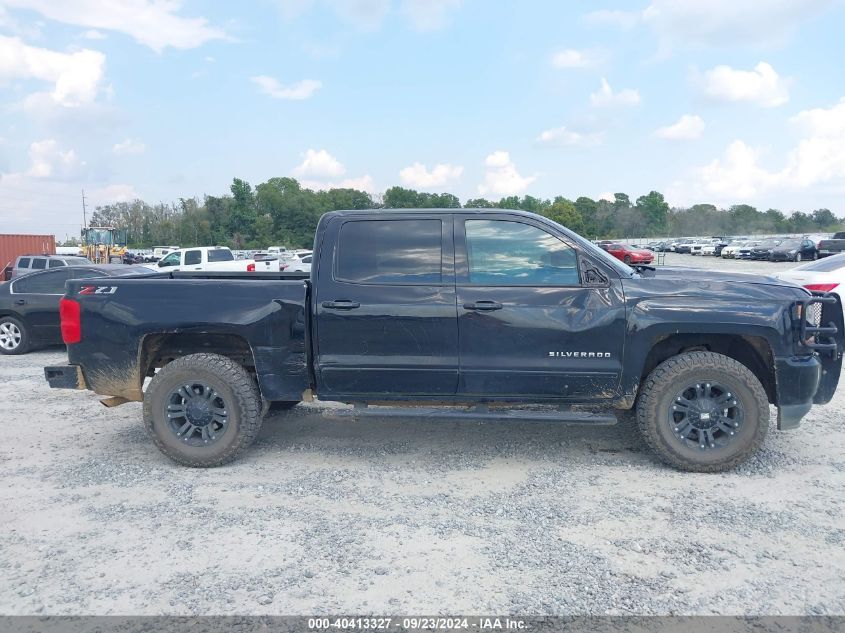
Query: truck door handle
342 304
20 302
483 305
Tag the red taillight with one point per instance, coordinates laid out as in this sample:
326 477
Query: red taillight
71 321
820 287
250 268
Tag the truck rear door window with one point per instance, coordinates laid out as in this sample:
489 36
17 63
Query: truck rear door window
220 255
194 257
390 252
504 253
39 263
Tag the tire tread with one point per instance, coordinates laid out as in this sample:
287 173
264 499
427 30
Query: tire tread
653 386
247 397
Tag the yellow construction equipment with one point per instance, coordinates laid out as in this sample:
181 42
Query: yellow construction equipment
104 244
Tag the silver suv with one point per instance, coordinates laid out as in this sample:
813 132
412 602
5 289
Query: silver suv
30 263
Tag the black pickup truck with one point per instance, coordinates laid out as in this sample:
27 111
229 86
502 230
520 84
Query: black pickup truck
436 311
832 246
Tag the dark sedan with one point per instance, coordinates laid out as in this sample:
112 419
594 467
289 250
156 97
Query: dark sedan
764 249
29 305
795 250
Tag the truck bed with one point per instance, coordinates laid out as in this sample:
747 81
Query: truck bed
127 322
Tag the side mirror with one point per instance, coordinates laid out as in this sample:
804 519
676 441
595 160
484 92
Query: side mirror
160 263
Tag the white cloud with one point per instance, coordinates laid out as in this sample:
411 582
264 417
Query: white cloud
321 170
93 34
501 177
717 22
572 58
369 15
563 136
49 160
153 23
111 193
606 97
822 121
429 15
75 76
319 164
818 158
129 146
49 206
762 85
293 92
418 176
688 128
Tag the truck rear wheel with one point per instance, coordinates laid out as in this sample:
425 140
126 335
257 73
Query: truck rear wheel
202 410
703 412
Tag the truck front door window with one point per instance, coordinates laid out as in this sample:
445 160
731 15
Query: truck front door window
516 254
170 260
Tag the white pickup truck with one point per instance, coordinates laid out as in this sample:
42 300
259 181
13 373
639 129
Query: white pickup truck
213 258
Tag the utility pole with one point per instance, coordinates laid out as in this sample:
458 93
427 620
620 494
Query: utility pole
84 211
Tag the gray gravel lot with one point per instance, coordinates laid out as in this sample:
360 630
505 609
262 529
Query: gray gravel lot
328 515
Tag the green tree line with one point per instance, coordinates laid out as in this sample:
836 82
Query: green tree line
280 211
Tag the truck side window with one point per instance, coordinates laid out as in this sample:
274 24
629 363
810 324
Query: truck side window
505 253
193 257
49 283
170 260
56 263
390 252
39 263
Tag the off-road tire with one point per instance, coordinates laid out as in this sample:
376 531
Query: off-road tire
228 378
661 386
23 346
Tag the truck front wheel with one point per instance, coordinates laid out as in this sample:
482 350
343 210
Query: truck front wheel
202 410
703 412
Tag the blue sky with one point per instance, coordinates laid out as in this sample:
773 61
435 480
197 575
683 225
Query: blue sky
705 100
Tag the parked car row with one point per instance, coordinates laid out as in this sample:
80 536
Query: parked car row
776 249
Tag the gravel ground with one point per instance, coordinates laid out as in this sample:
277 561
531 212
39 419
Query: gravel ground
328 515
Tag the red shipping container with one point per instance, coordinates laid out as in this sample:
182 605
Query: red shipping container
13 245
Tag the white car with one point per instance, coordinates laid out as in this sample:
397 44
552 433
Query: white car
211 258
823 275
696 248
300 265
730 251
709 249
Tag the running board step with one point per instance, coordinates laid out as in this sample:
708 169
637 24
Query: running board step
516 415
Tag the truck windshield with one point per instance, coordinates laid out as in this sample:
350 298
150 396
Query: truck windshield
220 255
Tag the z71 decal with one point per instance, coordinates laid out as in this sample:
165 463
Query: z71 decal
97 290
